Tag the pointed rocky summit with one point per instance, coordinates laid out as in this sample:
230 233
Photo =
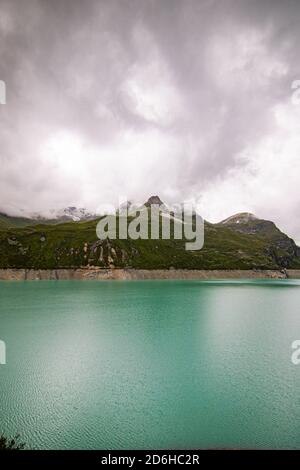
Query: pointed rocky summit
154 200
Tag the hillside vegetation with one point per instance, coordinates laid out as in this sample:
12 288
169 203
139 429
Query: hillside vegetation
249 244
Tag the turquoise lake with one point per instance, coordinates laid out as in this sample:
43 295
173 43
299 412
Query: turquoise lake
150 364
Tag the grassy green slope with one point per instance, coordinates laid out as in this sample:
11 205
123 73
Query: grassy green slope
75 244
7 222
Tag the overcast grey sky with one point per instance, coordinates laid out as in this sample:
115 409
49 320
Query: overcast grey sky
181 98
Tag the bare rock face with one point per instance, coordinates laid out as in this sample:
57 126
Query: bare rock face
12 241
96 273
113 253
154 200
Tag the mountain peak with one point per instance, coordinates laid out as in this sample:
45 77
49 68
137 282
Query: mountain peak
154 200
240 218
72 213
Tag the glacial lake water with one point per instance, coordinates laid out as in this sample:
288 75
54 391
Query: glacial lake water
150 364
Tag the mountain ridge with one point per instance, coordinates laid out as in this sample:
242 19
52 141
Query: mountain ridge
252 243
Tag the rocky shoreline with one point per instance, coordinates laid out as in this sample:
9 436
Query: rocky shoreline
140 274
